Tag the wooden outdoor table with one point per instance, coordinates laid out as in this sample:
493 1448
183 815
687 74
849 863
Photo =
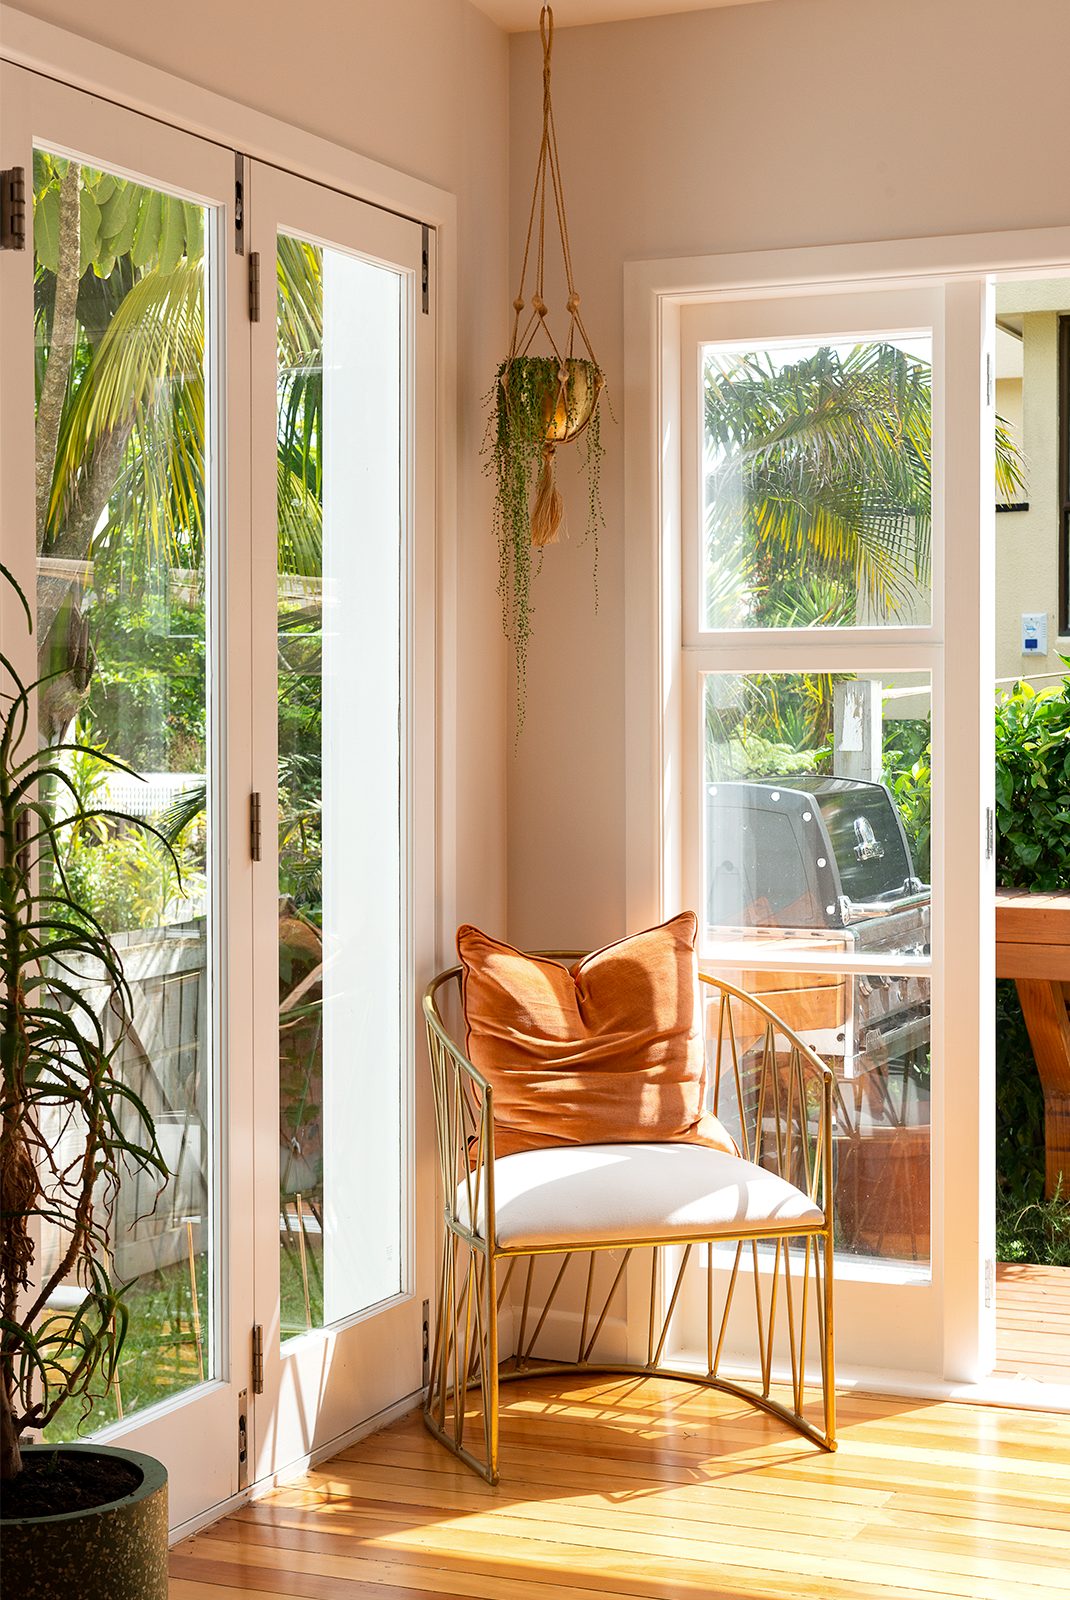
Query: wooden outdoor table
1033 948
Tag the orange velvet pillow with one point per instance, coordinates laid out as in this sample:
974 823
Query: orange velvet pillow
609 1051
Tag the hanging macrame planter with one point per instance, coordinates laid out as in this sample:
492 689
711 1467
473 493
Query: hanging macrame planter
545 395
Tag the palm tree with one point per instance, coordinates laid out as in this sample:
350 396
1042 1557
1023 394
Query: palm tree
120 290
819 484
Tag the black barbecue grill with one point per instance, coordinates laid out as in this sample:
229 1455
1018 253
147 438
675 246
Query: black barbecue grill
804 852
808 856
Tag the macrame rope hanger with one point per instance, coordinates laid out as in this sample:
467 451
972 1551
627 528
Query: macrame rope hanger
563 422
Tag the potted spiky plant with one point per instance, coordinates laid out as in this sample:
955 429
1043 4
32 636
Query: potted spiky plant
75 1518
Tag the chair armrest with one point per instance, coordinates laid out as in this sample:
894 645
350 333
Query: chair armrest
781 1088
464 1125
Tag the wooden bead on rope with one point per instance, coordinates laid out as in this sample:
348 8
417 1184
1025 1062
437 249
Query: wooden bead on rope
538 305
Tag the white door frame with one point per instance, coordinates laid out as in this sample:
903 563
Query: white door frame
655 293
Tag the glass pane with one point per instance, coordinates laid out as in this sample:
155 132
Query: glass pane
816 484
123 534
816 814
340 776
874 1032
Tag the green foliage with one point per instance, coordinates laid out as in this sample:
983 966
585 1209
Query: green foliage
907 761
123 874
824 462
64 1013
524 400
1019 1105
1038 1231
818 485
1032 852
1033 786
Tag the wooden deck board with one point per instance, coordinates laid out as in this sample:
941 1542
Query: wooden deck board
614 1489
1033 1322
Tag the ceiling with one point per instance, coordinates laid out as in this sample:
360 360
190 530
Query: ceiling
520 16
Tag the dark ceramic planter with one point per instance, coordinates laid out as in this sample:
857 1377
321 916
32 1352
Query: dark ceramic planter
117 1551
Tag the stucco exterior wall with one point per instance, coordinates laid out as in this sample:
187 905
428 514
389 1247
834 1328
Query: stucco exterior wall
1027 542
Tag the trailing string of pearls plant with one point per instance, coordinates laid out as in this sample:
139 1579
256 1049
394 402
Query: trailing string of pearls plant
540 401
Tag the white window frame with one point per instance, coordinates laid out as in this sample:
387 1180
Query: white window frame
656 297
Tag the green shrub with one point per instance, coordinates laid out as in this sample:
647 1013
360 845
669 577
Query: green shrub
1036 1231
1033 786
1032 852
1019 1105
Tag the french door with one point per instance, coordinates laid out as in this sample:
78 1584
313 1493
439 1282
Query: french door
223 509
836 489
343 736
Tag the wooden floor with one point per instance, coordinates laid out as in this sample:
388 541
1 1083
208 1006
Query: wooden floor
621 1487
1033 1323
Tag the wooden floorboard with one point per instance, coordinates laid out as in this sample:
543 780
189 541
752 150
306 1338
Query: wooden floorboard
1032 1322
618 1489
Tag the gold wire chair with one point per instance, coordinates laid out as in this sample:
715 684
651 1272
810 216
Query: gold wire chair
782 1117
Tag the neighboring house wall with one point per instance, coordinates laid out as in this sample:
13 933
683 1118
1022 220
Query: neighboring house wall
422 86
1027 542
744 128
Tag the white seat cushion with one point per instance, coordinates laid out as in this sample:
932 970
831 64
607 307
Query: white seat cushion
591 1194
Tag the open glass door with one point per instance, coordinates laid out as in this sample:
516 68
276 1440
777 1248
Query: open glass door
341 365
116 333
835 793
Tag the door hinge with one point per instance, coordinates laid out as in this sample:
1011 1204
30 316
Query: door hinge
254 825
239 204
258 1358
988 378
990 833
425 271
13 209
990 1284
425 1380
254 286
243 1439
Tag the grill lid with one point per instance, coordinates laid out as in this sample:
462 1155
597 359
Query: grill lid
804 852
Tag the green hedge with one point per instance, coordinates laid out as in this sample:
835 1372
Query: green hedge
1033 852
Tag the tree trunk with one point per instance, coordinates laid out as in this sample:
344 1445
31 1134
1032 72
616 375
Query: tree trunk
61 348
95 488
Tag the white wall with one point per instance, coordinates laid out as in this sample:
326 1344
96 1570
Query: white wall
421 85
793 123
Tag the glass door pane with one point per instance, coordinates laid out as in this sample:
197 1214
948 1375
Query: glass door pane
340 726
817 483
816 852
125 522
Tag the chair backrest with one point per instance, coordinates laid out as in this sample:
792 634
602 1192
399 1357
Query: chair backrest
769 1088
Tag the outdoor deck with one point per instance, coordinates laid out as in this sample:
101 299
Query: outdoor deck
1033 1322
613 1488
